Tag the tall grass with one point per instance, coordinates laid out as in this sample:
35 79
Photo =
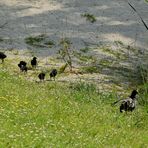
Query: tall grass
53 114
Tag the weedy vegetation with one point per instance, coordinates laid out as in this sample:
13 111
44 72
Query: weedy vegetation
141 73
34 40
1 39
84 50
66 52
119 43
39 41
89 17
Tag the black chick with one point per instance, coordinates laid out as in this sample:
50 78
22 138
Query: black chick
41 76
34 62
22 66
129 104
53 73
23 63
2 56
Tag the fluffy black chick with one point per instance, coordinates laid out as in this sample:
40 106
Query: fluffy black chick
41 76
53 73
22 63
22 66
2 56
34 62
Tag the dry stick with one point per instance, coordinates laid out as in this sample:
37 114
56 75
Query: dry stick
138 15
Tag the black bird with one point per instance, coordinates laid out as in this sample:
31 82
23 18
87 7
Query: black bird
53 73
2 56
129 103
41 76
22 66
34 62
22 63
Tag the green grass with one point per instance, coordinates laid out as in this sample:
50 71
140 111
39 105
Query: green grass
39 41
56 114
34 40
90 69
116 54
119 43
50 43
1 39
89 17
84 50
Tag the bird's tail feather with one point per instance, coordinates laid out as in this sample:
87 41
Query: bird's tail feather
116 102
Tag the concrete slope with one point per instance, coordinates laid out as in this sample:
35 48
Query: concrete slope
116 21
